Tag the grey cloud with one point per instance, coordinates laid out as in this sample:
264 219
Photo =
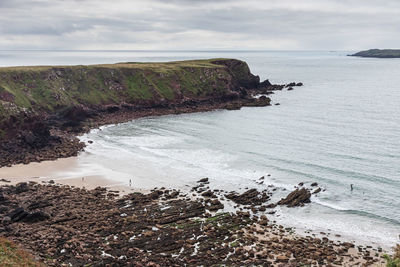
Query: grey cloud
308 24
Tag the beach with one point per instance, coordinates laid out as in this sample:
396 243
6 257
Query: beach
51 171
252 157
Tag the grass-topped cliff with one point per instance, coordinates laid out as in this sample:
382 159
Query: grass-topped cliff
52 88
40 104
379 53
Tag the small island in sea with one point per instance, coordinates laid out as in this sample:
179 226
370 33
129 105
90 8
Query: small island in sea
378 53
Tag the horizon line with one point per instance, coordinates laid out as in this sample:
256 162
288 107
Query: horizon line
179 50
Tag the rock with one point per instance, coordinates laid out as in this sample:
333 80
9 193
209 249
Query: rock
234 106
316 191
296 198
208 194
282 258
314 184
215 205
250 197
290 84
21 188
265 83
86 227
17 214
204 180
290 89
6 220
29 138
262 101
36 216
263 220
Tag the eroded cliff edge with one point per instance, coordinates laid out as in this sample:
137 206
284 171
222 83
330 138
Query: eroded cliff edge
42 108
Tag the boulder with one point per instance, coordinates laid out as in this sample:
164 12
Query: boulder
36 216
265 83
21 187
316 191
296 198
17 214
250 197
203 180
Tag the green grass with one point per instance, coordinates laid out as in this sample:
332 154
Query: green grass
156 66
11 255
138 88
51 89
46 87
393 261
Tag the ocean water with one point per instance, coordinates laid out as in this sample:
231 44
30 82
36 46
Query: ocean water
341 128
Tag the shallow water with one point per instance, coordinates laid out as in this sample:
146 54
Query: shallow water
341 128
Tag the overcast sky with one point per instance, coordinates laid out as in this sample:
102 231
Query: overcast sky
198 25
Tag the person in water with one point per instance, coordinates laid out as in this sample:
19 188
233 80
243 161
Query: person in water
351 187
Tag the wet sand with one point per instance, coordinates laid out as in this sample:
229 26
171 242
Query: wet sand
46 171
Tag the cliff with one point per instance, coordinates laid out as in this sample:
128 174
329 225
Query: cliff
41 106
379 53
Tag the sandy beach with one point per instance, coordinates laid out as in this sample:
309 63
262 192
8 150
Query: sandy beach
58 171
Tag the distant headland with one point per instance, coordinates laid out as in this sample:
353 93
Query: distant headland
379 53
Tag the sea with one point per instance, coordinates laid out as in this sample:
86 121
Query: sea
341 128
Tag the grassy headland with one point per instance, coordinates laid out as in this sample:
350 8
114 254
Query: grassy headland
40 104
51 88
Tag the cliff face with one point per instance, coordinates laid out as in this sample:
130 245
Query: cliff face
50 91
52 88
41 106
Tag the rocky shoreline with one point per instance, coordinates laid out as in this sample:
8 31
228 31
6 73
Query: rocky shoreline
41 132
49 141
66 226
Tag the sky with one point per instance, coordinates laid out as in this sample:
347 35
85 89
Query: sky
199 25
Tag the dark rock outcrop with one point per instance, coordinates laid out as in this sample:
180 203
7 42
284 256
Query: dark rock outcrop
298 197
250 197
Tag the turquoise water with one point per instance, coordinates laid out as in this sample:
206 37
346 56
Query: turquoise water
341 128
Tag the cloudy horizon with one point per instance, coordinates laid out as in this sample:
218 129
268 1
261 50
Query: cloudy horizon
199 25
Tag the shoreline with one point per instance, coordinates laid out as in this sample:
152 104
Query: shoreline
56 171
164 214
257 227
46 171
45 131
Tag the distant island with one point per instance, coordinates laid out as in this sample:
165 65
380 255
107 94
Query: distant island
379 53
